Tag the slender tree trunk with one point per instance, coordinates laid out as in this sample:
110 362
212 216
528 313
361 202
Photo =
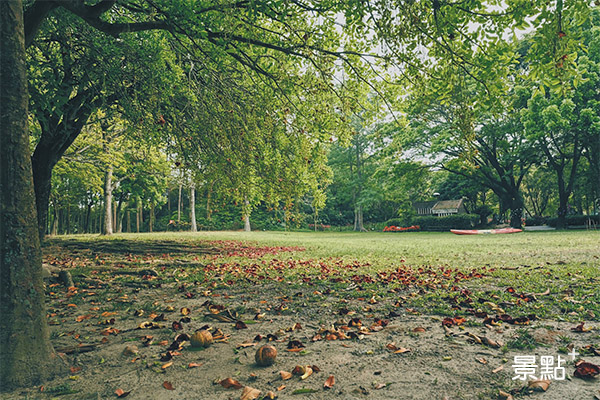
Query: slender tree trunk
208 198
193 207
151 222
68 219
137 218
563 202
55 222
179 206
169 201
247 227
114 217
108 214
128 221
42 178
26 354
119 213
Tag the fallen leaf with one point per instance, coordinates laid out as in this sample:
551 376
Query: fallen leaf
299 370
586 370
185 311
168 385
194 365
504 396
401 350
500 368
539 385
419 329
580 328
121 393
329 382
167 365
250 393
240 325
308 372
231 383
285 375
270 395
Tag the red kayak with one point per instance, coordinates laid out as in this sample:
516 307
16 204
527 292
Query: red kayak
485 231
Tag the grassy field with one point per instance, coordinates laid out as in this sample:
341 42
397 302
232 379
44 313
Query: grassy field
415 248
391 315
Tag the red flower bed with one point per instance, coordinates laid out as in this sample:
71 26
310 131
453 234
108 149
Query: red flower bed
392 228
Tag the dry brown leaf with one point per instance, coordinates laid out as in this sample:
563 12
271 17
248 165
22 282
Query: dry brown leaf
401 350
299 370
539 385
280 388
308 372
244 345
194 365
168 385
329 382
500 368
167 365
250 393
270 395
504 396
285 375
419 329
121 393
482 360
231 383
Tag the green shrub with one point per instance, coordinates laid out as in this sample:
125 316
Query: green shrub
535 221
575 220
457 221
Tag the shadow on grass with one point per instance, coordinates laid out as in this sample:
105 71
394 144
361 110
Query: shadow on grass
127 246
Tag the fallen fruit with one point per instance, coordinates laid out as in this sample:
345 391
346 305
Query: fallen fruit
265 355
202 338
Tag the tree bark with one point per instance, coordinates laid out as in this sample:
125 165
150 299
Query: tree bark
193 208
137 218
26 353
179 205
108 214
151 222
247 227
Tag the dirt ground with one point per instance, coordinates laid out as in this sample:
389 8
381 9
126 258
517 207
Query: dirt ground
118 327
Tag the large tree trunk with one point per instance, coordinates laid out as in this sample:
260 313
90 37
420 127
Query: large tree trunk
516 212
108 214
193 208
358 219
26 354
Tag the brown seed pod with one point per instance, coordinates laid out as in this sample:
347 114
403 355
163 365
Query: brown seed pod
202 338
265 355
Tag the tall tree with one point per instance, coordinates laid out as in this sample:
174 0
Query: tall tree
25 350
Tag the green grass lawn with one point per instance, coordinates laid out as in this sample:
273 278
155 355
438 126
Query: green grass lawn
565 263
529 248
